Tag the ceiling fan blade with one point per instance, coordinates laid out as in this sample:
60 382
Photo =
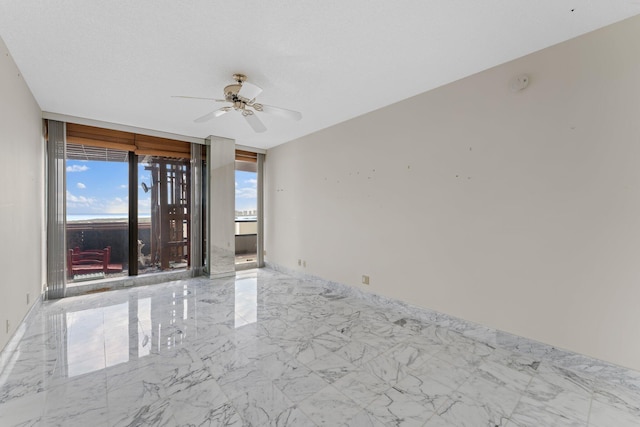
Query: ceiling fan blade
249 91
211 115
254 122
281 112
197 97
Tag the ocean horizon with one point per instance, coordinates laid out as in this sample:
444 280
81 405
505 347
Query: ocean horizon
96 216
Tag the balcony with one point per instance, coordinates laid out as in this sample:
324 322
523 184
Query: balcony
93 236
246 244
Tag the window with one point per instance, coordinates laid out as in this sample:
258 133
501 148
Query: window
246 209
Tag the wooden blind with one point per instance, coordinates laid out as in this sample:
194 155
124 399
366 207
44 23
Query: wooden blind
99 137
127 141
246 156
154 146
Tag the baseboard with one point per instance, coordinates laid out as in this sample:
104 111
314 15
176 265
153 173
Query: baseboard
7 353
127 282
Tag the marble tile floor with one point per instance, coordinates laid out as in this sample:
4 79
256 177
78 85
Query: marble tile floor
267 349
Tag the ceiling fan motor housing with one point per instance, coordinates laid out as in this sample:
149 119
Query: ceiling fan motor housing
231 92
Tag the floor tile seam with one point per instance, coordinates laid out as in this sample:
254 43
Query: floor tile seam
415 370
449 403
599 386
622 406
436 408
510 416
388 350
136 409
298 407
541 377
439 355
265 371
471 398
453 399
370 405
295 405
360 407
489 377
534 377
589 411
453 389
450 396
556 414
228 400
235 408
553 414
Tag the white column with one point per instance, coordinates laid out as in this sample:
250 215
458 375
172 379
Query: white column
221 245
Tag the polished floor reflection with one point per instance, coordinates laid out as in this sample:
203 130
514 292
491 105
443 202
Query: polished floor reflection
266 349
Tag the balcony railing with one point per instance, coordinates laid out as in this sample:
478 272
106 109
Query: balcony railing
94 235
246 242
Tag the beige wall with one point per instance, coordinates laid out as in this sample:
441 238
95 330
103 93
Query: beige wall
22 201
519 211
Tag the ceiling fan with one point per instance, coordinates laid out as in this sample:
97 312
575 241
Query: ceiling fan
242 95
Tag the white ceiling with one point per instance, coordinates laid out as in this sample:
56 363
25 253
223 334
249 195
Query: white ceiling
120 61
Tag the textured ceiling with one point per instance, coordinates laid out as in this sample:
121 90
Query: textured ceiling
121 61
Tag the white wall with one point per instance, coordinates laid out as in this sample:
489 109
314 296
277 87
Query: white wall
22 200
519 211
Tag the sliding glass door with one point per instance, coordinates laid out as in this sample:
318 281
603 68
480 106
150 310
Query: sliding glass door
128 204
97 213
164 220
246 219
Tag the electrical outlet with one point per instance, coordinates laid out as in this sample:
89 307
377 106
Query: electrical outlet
365 279
299 262
8 325
28 298
304 264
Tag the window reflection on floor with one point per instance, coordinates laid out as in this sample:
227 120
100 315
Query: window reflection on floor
116 334
102 337
144 327
246 304
127 330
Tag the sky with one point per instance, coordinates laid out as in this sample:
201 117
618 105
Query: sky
96 187
246 191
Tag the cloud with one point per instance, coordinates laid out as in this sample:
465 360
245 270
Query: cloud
117 205
81 186
246 193
124 186
74 201
77 168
